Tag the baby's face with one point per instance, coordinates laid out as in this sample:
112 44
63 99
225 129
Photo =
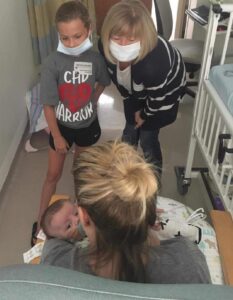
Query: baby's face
64 223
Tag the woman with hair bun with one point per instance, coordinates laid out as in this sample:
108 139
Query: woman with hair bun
116 190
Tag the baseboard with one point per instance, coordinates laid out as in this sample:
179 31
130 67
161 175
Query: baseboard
7 161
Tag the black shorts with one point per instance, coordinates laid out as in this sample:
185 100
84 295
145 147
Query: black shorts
82 137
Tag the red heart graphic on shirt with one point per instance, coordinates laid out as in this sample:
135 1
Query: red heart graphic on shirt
74 96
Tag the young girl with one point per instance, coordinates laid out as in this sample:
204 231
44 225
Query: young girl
72 79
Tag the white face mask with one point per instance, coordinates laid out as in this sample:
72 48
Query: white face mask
75 51
125 53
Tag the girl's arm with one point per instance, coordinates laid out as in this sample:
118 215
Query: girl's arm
99 88
60 143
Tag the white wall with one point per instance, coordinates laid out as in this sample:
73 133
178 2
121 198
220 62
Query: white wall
17 72
174 6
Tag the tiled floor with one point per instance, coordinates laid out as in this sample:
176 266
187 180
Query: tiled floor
20 197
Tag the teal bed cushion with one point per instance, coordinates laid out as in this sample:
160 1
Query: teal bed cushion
221 77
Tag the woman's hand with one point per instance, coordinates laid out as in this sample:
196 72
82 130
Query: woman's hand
138 120
61 145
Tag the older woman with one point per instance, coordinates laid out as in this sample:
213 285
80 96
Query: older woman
148 72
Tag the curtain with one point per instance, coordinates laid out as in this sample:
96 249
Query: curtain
41 15
90 4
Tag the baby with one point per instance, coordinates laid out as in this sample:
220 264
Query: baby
61 220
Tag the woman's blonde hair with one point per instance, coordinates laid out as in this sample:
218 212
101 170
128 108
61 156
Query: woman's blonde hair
129 18
117 187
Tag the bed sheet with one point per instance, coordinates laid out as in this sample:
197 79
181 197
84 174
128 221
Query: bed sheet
178 211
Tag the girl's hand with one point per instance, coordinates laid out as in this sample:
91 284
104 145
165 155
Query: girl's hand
61 145
138 120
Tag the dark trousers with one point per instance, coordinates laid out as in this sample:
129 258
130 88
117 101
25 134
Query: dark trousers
149 142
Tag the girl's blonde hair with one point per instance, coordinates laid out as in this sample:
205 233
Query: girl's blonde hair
117 187
72 10
129 18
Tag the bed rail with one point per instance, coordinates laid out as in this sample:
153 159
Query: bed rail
214 134
212 128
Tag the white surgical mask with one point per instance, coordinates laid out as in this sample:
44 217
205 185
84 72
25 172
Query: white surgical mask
75 51
124 53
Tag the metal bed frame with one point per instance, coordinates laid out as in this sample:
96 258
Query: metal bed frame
212 128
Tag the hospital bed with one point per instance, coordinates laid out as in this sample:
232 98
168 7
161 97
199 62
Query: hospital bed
212 132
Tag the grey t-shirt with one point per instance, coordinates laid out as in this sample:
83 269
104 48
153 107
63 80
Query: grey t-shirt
68 83
176 260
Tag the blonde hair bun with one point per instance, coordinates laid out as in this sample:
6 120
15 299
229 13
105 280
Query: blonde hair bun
115 171
132 178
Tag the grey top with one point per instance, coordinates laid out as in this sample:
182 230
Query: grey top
176 260
68 84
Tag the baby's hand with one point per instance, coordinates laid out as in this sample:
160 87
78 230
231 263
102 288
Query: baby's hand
157 226
159 210
75 235
79 234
